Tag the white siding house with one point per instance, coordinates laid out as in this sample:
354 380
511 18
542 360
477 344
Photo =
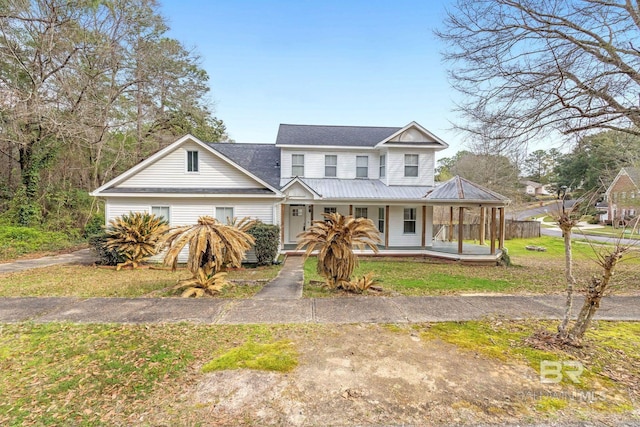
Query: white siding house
383 173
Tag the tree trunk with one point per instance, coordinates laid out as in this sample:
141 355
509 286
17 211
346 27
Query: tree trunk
566 225
595 292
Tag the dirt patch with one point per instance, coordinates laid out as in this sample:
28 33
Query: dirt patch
362 375
371 375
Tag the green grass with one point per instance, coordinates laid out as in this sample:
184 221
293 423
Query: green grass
72 374
18 241
279 356
611 355
62 374
89 281
532 272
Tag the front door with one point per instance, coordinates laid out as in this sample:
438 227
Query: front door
297 220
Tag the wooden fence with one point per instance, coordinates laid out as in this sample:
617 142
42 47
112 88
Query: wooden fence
513 230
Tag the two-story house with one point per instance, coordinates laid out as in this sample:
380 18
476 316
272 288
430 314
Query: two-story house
385 174
623 196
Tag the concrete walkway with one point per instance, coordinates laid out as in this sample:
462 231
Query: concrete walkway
280 302
83 256
316 310
288 284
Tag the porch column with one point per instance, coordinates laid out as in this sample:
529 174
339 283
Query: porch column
483 222
386 227
493 231
502 228
311 212
282 212
424 226
429 227
351 210
451 224
460 228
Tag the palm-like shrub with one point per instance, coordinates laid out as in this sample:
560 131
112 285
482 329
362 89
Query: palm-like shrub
135 236
335 238
213 246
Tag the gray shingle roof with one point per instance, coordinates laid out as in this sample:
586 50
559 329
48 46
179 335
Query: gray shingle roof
262 160
634 174
458 189
349 136
363 189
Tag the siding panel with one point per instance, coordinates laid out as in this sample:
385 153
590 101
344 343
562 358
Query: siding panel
170 172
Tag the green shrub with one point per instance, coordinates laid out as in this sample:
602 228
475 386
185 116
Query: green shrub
105 255
95 225
267 238
16 241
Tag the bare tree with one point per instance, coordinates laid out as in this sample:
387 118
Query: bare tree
529 67
607 258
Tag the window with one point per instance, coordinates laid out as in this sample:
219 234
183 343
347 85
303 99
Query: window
224 214
297 165
192 161
161 212
410 165
361 212
383 165
381 220
410 220
330 210
330 166
362 166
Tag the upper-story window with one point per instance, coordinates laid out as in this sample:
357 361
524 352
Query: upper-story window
362 166
297 165
383 165
410 165
330 166
192 161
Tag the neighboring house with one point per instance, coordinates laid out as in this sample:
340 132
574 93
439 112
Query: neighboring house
535 188
623 196
382 173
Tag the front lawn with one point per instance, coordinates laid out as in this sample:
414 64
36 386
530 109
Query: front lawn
89 281
531 272
71 374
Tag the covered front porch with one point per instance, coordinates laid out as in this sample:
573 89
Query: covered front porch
405 219
472 254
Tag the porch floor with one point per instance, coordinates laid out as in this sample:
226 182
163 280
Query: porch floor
471 253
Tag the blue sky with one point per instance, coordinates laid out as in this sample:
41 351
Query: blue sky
369 63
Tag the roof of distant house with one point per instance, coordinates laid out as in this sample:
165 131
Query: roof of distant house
634 174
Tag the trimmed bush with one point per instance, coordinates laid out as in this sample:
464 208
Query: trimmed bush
267 239
106 256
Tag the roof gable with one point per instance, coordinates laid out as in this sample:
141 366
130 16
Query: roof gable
413 135
632 173
130 177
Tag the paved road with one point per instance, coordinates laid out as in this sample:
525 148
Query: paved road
556 232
